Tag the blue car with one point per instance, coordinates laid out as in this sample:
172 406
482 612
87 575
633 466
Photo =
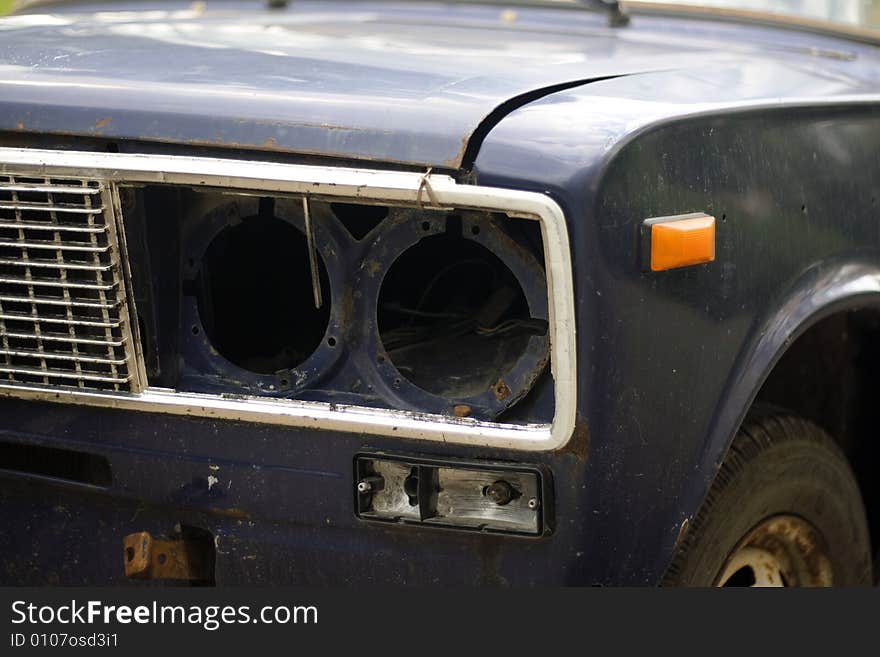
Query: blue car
528 293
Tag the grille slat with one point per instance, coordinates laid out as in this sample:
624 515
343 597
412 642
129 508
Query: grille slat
47 207
58 320
53 246
52 264
48 189
46 373
42 282
48 355
58 302
66 325
50 337
24 225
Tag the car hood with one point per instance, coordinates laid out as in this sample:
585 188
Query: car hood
410 84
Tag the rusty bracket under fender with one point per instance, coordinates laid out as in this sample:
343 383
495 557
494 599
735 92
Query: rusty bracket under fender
182 558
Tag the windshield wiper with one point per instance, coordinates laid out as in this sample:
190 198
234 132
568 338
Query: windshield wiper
616 16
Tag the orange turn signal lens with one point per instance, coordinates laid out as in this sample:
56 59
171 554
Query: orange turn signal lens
681 241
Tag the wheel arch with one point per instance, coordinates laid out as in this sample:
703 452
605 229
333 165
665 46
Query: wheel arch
826 290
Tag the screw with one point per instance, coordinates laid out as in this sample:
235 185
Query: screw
534 503
371 484
500 492
461 410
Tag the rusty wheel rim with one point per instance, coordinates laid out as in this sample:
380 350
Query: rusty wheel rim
782 551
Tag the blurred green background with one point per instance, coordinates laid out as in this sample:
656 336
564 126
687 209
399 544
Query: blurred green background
5 6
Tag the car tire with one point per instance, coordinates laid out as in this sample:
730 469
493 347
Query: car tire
784 510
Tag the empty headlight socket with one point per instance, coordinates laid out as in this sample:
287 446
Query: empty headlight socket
428 311
493 497
241 221
402 251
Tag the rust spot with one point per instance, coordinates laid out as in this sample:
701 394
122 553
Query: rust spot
103 122
455 161
270 143
220 140
19 125
347 305
146 557
461 410
792 540
501 390
232 512
579 444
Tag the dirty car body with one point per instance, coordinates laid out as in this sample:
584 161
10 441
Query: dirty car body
348 266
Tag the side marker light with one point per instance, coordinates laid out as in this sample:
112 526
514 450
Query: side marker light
678 241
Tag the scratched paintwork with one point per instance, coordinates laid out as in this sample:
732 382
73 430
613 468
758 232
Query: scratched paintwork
671 361
406 83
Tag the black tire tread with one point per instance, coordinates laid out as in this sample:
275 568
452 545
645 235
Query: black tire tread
764 429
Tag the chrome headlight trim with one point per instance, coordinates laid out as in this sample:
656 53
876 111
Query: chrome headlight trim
334 183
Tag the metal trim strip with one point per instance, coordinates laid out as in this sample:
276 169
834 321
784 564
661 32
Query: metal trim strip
364 185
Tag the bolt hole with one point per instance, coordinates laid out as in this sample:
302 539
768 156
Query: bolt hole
162 558
804 209
411 487
723 218
745 576
195 330
475 230
129 554
331 341
426 225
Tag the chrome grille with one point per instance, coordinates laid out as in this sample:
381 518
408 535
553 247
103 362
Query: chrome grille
62 299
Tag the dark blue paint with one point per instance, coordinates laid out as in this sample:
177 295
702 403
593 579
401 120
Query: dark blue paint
670 361
395 82
750 124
